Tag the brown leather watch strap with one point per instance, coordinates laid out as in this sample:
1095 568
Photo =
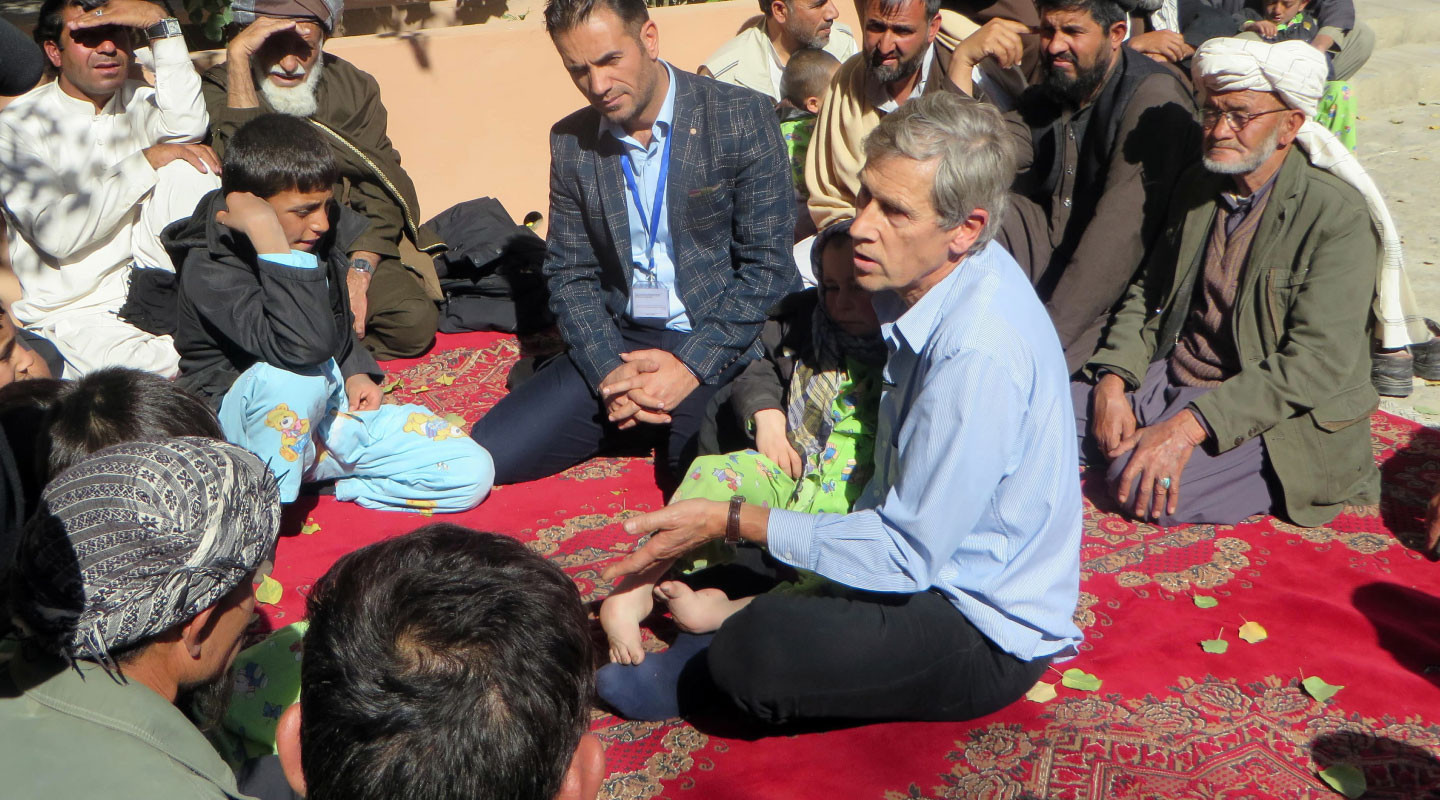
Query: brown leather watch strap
732 525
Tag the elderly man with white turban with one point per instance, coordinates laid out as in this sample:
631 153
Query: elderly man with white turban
1234 380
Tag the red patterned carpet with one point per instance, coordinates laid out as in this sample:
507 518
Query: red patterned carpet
1352 603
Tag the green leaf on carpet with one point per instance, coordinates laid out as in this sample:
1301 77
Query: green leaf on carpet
1345 779
445 380
392 385
310 527
1254 632
421 389
1041 692
269 591
1319 689
1078 679
1206 601
1214 645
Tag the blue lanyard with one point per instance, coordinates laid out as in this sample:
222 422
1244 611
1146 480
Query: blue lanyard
652 228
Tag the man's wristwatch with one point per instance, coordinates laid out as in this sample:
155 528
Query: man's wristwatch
164 29
732 523
362 265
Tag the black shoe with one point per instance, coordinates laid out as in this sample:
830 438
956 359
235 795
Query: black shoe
1427 354
1391 372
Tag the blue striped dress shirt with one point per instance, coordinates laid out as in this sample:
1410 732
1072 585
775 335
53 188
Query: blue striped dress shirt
976 492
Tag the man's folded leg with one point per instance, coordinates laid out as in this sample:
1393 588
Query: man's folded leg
548 424
868 656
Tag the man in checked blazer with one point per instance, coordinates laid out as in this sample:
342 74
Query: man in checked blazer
660 306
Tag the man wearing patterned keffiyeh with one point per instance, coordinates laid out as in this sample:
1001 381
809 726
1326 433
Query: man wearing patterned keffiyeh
132 586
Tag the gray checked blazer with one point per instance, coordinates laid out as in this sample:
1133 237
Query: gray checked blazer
732 218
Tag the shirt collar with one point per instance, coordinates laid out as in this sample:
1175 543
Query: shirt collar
660 129
1235 204
880 97
912 326
83 107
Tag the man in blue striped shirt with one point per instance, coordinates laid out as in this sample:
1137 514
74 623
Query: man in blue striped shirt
963 554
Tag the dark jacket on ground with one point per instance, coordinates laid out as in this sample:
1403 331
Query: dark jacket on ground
372 182
236 310
1102 175
1300 326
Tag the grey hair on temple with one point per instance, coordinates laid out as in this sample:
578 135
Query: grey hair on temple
977 162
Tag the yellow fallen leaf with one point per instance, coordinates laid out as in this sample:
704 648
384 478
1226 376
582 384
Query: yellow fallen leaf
1041 692
1253 632
445 380
393 385
310 526
269 591
421 389
456 420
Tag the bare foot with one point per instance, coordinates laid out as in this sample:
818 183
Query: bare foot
620 616
698 612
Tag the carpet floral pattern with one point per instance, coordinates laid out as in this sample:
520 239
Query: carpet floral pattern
1352 603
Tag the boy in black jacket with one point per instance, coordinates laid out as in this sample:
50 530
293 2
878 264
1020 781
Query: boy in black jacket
266 336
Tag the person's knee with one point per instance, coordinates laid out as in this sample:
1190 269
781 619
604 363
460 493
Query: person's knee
402 320
744 660
470 476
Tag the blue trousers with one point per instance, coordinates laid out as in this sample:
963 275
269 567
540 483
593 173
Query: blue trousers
398 458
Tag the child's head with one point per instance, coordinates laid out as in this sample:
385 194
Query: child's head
806 76
116 405
286 162
1282 11
846 303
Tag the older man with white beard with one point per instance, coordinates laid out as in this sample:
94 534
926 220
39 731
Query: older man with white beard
277 63
1234 380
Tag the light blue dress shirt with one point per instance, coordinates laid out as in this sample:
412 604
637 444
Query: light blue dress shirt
646 162
976 492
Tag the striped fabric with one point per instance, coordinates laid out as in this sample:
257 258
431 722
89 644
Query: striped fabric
976 493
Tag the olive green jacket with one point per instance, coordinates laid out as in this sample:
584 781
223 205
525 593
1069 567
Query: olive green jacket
69 734
1300 323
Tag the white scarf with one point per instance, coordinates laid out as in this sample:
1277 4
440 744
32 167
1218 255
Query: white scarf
1295 72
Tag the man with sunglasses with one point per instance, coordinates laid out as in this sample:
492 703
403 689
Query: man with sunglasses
277 63
1234 380
92 166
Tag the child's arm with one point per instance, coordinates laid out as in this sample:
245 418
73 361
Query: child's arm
276 312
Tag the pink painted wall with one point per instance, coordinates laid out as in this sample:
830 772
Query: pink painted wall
471 107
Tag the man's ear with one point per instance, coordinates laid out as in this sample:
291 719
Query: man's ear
650 38
1294 121
52 52
1117 33
194 633
779 11
287 746
586 772
931 31
964 235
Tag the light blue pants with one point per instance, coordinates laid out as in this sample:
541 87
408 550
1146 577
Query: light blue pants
401 458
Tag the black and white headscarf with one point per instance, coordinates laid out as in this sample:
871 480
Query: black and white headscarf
139 538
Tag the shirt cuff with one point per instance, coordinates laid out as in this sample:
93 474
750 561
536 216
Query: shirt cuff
171 51
788 536
295 258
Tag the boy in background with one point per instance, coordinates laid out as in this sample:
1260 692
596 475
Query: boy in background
802 87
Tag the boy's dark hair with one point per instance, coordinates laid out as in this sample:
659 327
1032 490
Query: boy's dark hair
563 15
445 663
1104 12
115 405
806 75
51 19
273 153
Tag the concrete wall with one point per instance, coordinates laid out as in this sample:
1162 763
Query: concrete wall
471 106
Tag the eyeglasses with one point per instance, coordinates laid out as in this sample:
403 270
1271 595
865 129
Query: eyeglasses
1237 120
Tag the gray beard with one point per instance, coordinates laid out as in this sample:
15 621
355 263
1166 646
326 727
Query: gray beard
296 101
1251 162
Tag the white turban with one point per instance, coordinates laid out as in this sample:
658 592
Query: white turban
1296 73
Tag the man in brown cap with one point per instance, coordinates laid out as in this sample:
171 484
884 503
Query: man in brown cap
277 63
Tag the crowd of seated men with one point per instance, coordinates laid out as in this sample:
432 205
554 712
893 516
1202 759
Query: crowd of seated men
872 297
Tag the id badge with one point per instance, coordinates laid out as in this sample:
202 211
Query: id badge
651 301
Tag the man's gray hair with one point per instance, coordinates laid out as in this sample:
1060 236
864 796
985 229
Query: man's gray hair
977 160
